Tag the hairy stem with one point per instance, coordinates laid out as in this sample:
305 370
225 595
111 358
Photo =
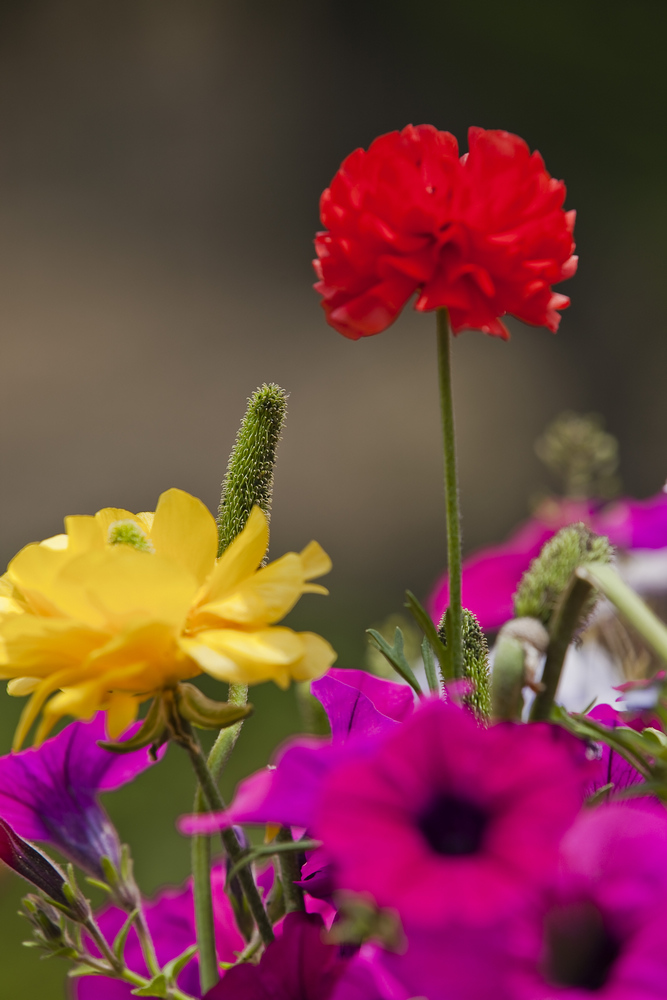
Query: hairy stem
229 839
290 873
565 622
451 492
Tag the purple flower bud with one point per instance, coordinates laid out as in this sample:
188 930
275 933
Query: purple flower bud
31 864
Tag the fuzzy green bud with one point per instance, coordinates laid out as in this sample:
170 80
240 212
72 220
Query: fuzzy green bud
475 663
249 477
549 574
579 452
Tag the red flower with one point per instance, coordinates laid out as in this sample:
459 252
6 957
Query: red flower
484 234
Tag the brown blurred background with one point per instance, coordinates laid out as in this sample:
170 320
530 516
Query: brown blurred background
160 168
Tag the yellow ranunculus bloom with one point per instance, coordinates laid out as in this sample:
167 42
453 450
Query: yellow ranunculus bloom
124 605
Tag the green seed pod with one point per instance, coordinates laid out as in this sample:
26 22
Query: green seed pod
548 575
249 477
475 663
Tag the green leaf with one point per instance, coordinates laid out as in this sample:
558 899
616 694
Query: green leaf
423 619
121 937
205 713
429 667
158 987
173 968
267 850
395 656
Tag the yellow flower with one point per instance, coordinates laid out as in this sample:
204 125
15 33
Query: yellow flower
124 605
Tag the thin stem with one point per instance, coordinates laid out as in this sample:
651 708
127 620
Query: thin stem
229 838
451 493
606 579
146 942
201 851
565 623
290 874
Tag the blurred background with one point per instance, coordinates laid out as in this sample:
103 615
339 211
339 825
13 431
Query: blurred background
160 168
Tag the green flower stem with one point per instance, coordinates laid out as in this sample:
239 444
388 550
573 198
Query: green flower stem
116 967
565 622
229 838
200 851
200 858
451 492
605 579
146 942
289 874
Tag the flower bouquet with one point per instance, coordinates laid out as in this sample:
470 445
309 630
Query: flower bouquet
445 828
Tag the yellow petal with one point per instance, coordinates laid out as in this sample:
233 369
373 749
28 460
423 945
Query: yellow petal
20 686
264 598
315 561
246 657
34 706
33 571
317 657
121 712
153 646
83 533
184 530
117 585
109 515
56 542
240 559
40 646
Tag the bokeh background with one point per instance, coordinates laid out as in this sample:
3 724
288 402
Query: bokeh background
160 168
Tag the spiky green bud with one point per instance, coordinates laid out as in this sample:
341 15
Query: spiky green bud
249 477
475 663
548 575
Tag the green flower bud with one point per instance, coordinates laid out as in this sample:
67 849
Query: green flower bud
475 663
548 575
249 477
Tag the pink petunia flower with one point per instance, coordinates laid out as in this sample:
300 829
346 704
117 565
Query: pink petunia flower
448 822
604 931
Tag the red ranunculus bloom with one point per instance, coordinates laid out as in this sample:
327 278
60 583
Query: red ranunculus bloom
483 234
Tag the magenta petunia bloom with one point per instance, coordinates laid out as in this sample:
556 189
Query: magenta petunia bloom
358 706
491 575
358 703
171 920
604 931
614 769
49 793
448 822
298 965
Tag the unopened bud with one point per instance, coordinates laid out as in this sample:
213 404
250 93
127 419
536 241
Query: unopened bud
475 663
548 576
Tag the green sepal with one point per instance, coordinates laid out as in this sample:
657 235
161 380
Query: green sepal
83 970
95 882
204 712
118 946
153 732
172 969
423 619
158 987
395 656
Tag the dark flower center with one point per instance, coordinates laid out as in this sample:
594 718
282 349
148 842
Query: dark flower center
453 825
580 949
